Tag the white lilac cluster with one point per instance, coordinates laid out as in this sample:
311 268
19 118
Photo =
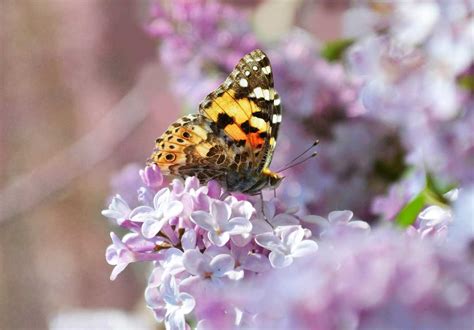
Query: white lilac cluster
200 239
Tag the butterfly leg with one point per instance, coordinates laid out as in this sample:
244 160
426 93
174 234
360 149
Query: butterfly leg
224 195
263 209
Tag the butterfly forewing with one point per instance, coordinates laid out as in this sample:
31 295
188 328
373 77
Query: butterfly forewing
246 107
235 131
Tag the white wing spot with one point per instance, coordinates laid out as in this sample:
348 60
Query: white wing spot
247 73
258 92
243 82
266 94
276 119
276 102
255 68
267 69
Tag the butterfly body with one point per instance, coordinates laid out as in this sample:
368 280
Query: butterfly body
233 136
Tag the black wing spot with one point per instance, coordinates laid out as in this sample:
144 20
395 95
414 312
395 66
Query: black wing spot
179 140
247 128
172 146
221 159
263 135
211 152
241 143
223 120
186 135
170 157
260 114
176 124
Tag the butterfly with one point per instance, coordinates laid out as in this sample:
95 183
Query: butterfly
233 136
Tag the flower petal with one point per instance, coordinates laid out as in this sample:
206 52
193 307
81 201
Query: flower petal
195 262
280 260
161 197
340 216
220 211
218 239
268 241
284 219
304 248
117 270
238 226
221 264
292 235
188 240
203 220
173 209
256 262
187 302
151 227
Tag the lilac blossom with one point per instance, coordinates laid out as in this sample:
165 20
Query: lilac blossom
393 101
287 244
337 223
131 249
155 218
359 281
178 304
219 224
198 40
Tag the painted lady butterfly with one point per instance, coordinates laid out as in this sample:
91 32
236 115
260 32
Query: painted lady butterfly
233 136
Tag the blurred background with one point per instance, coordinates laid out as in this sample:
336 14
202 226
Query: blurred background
88 85
82 95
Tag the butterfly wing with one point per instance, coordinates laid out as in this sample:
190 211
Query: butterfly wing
190 147
246 108
233 134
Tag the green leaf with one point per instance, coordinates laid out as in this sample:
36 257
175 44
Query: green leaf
435 190
334 50
467 82
409 212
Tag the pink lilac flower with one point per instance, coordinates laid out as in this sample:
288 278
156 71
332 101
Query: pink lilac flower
178 304
131 249
376 281
411 82
165 209
461 230
201 239
219 224
289 243
434 220
198 40
338 223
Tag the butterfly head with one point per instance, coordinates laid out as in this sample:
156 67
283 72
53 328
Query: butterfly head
273 179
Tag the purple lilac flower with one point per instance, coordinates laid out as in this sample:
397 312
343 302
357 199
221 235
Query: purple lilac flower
199 240
200 42
461 231
338 223
358 281
410 68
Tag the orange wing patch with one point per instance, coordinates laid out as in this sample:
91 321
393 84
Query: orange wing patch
236 118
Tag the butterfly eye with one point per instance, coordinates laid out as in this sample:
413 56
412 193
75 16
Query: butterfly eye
170 157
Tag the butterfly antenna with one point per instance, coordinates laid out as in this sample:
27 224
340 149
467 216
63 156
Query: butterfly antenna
315 143
314 154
